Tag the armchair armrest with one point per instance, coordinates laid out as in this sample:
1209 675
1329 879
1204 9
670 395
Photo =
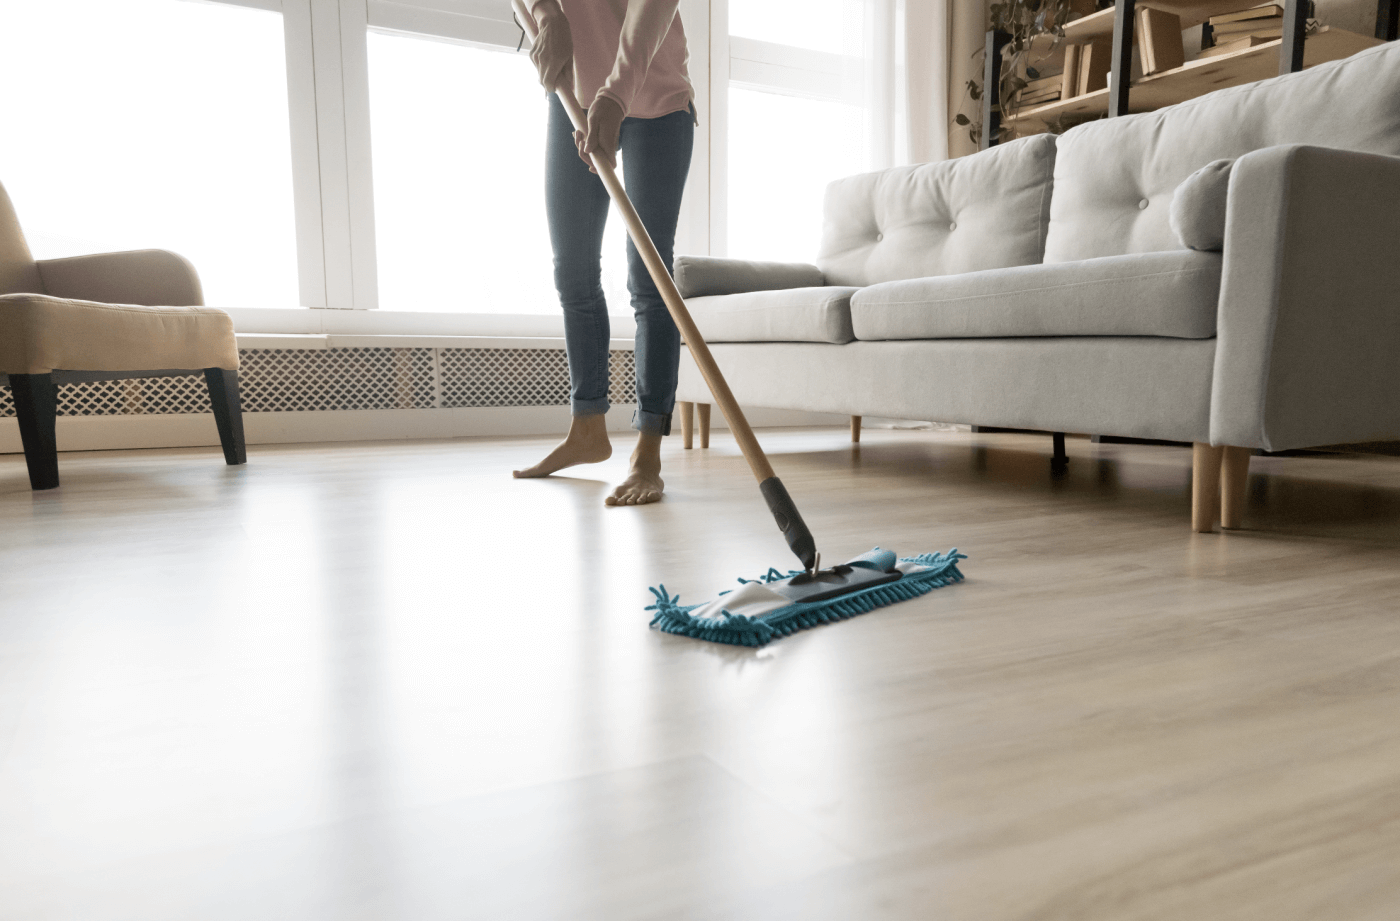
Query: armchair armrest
150 277
701 276
1309 317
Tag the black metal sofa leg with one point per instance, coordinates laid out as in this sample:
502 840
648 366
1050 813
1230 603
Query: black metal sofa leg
36 405
228 413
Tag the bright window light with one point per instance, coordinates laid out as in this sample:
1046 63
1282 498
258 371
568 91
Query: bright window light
458 136
818 25
783 150
153 124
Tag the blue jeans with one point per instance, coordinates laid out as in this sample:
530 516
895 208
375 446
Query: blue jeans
656 159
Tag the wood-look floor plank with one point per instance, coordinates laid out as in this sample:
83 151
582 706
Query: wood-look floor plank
387 681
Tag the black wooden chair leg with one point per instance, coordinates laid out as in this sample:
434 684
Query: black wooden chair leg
228 413
36 405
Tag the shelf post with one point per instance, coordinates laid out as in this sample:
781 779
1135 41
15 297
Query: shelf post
1124 12
997 40
1387 20
1295 32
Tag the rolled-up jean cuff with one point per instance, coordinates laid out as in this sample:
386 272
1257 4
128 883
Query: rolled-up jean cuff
590 407
651 423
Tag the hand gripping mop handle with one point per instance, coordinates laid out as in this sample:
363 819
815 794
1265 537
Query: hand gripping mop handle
785 513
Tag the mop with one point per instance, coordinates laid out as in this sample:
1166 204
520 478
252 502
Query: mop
778 603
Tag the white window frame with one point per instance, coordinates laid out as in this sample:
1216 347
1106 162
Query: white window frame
328 86
332 169
788 70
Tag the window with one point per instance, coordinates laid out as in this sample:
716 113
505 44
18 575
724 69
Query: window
458 136
798 118
140 124
783 150
819 25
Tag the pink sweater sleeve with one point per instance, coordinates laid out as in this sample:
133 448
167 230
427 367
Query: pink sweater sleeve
643 30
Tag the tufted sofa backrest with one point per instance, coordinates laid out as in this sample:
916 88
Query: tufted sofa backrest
18 273
1114 178
985 211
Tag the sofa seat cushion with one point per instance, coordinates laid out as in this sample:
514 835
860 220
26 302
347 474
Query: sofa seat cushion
1150 294
39 333
820 314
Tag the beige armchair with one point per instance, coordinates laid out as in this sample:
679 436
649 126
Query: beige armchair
94 318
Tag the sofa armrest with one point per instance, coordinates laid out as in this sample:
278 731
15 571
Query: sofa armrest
1309 318
150 277
702 276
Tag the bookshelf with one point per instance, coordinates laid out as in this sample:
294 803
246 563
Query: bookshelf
1194 78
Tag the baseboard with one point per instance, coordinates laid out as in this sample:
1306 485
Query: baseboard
182 430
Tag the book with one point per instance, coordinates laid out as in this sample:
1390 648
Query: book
1095 61
1160 46
1248 26
1230 47
1266 11
1040 98
1069 79
1262 35
1043 83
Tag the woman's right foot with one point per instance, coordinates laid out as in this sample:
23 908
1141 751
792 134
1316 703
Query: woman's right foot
586 443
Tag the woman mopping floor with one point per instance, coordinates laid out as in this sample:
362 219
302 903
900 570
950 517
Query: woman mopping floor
627 61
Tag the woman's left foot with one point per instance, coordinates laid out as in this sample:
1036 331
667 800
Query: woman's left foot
643 484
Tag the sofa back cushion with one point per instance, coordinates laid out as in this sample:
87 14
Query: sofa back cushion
18 273
1114 179
985 211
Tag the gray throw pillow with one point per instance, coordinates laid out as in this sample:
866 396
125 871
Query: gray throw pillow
1198 207
703 276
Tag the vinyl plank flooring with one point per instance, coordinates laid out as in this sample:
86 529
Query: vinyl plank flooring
382 681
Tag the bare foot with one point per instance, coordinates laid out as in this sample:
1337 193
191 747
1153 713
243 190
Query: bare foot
586 443
643 484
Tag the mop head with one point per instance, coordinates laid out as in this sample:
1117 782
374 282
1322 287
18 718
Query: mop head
764 609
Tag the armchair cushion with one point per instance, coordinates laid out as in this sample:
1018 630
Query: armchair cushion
1171 294
39 333
702 276
152 277
820 314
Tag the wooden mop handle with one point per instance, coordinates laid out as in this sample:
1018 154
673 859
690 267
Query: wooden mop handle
661 274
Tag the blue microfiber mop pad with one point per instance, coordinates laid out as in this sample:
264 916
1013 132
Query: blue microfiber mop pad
754 615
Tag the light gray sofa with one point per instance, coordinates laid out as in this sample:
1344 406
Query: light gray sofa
1044 284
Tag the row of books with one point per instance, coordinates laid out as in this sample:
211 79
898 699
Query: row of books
1244 29
1086 70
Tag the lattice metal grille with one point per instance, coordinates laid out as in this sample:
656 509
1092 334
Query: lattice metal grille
137 397
504 377
521 377
283 380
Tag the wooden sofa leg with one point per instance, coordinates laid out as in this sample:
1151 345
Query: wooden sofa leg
687 413
228 413
1205 486
1234 470
36 405
704 411
855 430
